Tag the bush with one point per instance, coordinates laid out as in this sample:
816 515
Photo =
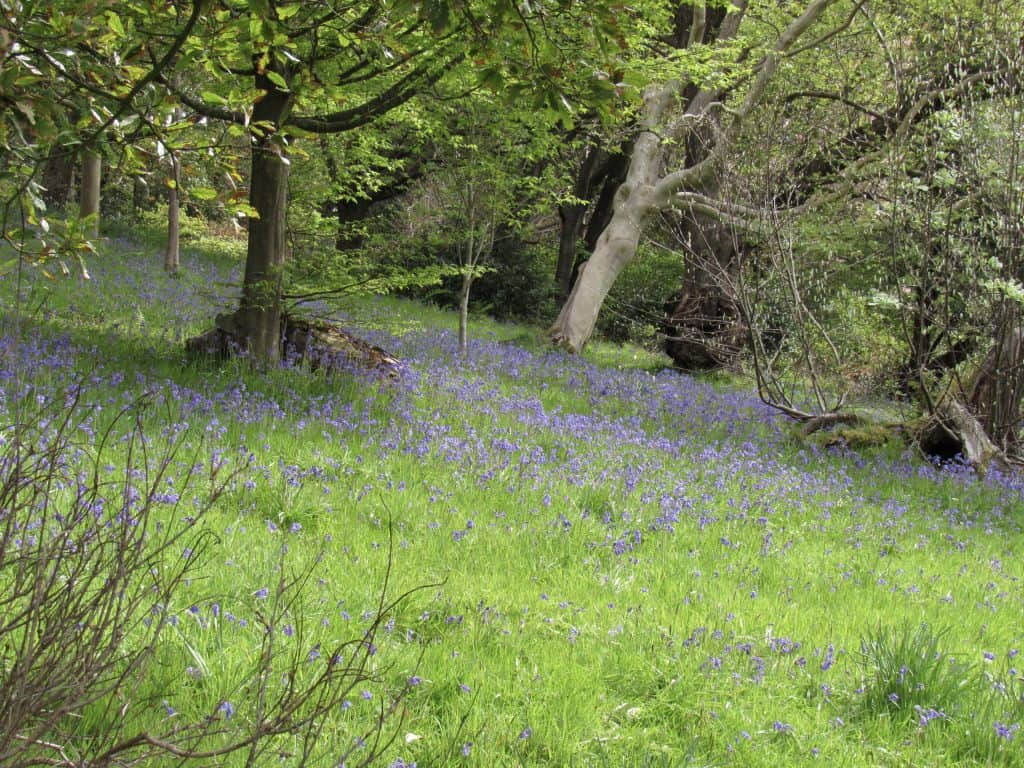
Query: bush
635 307
521 287
89 569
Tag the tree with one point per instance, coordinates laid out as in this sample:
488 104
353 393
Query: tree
585 211
914 215
333 67
687 112
89 197
478 190
74 73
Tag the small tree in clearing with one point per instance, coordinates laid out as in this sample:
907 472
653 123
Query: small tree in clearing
471 199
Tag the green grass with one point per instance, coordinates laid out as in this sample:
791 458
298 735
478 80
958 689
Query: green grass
606 565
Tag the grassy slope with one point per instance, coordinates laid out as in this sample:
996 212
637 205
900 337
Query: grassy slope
625 567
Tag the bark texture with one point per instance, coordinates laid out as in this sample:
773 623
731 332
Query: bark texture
704 329
258 319
634 203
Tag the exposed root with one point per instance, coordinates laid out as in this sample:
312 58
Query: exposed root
318 344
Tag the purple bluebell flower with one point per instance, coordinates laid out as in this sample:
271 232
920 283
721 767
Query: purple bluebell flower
1005 731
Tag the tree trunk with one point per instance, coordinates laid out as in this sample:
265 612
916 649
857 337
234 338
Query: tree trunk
998 387
258 319
635 201
89 199
571 215
954 431
703 327
259 313
614 175
467 283
58 177
172 256
645 191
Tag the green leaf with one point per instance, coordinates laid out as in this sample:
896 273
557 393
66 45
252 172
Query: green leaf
245 209
203 193
213 98
114 22
277 80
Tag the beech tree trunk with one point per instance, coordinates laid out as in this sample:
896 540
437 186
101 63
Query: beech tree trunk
634 202
671 112
89 198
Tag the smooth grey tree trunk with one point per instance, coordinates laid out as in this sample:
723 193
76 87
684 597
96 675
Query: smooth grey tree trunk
646 190
617 245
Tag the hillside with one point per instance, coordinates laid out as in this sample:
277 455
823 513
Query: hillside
593 562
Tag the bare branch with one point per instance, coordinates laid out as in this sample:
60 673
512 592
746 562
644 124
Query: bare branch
696 175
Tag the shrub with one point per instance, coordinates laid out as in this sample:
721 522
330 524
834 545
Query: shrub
89 568
635 306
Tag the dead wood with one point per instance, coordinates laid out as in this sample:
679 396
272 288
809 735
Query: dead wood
953 430
828 420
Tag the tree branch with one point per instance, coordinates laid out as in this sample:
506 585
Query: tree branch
831 33
399 93
211 111
826 95
158 68
696 175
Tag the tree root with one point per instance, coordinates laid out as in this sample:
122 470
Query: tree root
318 344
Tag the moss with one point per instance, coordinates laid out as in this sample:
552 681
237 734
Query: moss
863 435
